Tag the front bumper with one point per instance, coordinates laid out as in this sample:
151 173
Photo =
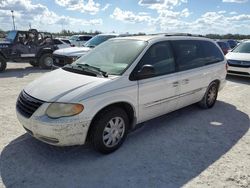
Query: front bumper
59 132
241 71
60 60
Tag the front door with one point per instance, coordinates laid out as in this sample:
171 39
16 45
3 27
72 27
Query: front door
157 93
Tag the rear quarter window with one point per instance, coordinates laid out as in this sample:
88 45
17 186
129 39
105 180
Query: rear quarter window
194 53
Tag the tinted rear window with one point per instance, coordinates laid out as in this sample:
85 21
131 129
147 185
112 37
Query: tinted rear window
193 53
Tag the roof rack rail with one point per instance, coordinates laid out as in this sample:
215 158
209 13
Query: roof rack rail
182 34
179 34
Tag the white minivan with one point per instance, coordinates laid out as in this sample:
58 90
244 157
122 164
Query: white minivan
122 82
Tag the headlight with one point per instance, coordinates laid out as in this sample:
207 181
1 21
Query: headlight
72 59
57 110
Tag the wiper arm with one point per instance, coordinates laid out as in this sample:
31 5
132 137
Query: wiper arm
80 70
103 73
90 46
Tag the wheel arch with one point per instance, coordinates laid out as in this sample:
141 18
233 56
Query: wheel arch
126 106
44 51
216 81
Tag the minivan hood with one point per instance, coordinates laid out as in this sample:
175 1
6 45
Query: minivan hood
72 51
238 56
56 84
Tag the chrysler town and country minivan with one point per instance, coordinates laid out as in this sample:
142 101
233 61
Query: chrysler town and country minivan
120 83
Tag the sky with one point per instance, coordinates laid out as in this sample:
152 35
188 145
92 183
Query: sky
133 16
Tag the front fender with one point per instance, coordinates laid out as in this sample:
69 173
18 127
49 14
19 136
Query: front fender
95 104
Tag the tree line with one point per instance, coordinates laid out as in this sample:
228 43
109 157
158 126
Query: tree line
228 36
91 32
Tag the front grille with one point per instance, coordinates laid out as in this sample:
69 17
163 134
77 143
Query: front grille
60 61
27 105
241 73
236 63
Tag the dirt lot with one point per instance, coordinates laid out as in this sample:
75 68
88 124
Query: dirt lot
190 147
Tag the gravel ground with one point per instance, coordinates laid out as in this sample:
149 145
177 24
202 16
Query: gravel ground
187 148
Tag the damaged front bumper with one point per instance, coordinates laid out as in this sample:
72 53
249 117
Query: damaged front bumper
66 131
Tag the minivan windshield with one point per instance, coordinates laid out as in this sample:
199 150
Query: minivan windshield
97 40
113 56
242 48
11 36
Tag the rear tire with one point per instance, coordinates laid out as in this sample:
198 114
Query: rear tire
210 96
46 61
34 63
109 130
3 64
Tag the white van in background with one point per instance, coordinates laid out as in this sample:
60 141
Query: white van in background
79 40
65 56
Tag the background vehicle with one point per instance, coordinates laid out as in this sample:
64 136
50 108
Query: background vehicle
122 82
239 60
79 40
224 46
232 43
32 46
65 40
61 43
69 55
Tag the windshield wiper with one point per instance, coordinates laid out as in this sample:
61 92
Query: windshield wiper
93 68
90 46
80 70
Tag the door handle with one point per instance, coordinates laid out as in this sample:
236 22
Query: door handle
175 84
185 81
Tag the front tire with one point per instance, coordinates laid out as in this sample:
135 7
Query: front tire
46 61
210 96
3 64
109 130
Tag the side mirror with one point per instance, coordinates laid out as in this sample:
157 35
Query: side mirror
146 71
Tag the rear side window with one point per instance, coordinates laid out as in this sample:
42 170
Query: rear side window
193 54
211 53
161 57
